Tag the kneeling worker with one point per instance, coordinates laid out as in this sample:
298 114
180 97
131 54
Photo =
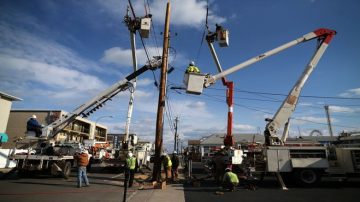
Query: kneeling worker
230 180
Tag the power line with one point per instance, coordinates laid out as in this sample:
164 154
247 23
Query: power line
284 95
215 99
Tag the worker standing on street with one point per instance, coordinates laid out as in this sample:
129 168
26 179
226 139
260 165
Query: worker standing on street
192 68
33 125
130 169
230 180
174 167
167 166
82 161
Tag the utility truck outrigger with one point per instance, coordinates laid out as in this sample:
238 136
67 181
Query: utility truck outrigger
306 162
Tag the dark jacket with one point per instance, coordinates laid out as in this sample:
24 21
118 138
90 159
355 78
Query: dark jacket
175 161
32 124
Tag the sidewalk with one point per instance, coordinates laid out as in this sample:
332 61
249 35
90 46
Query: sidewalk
172 192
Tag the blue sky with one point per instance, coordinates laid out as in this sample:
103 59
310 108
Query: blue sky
58 54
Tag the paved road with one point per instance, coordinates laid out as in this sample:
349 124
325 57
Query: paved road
104 187
329 190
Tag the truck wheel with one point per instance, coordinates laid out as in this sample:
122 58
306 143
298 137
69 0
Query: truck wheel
307 177
67 169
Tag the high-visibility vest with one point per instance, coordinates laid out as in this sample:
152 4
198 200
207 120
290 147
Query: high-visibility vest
131 163
232 177
167 162
193 69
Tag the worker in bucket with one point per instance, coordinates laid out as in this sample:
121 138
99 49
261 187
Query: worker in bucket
230 180
82 159
192 68
33 125
130 169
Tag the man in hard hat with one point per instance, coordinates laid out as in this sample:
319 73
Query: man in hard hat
33 125
130 168
192 68
82 159
230 180
174 166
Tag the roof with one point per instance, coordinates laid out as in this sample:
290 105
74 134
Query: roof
218 138
315 138
9 97
193 142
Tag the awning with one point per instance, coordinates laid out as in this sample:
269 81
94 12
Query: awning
4 137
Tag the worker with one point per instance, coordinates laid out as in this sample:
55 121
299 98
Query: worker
167 164
174 167
230 180
82 159
192 68
219 166
130 169
33 125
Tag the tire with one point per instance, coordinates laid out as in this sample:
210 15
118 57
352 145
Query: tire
67 169
307 177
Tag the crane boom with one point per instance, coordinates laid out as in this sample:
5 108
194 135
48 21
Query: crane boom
96 102
319 33
324 36
289 104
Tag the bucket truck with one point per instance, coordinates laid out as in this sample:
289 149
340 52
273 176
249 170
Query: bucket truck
61 161
307 163
232 156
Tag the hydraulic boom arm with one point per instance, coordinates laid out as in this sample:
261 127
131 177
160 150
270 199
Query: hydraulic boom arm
95 103
283 114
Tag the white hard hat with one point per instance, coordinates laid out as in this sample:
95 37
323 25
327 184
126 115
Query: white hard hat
192 63
174 152
33 116
130 154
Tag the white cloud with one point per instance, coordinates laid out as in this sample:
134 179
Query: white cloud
339 109
309 119
144 82
191 13
22 44
305 104
243 127
50 75
122 57
355 92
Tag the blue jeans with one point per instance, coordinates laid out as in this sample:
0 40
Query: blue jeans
82 177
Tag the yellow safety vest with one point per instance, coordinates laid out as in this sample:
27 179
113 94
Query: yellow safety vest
131 163
232 177
193 69
168 162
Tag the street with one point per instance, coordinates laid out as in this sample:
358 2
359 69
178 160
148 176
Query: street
108 186
103 187
329 190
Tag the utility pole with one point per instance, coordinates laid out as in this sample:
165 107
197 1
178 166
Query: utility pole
176 135
328 119
161 103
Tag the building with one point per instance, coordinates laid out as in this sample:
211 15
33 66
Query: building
78 130
5 107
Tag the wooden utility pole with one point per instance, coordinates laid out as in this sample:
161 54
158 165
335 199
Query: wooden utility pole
176 135
161 102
